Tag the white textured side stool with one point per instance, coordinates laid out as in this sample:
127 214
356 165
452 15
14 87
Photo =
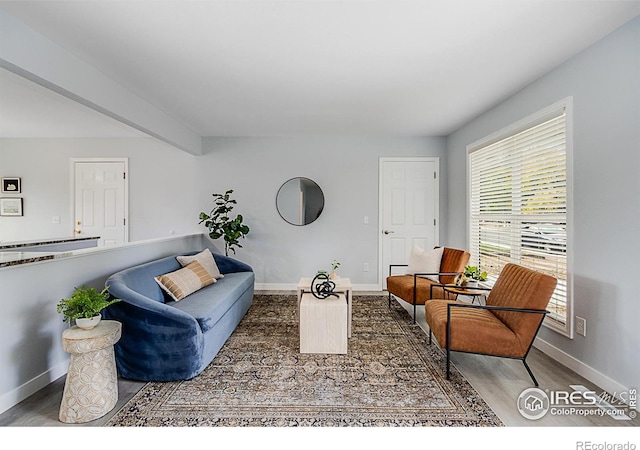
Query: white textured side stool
91 387
324 324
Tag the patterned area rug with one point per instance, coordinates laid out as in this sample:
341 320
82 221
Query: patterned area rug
390 377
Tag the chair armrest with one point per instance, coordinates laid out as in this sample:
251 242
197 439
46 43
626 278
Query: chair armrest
494 308
396 265
415 282
415 275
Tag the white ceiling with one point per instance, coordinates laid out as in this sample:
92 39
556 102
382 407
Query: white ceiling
248 68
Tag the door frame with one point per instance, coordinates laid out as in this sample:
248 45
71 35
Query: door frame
382 271
73 162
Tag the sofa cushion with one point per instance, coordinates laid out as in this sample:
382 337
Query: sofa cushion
205 257
209 304
425 261
185 281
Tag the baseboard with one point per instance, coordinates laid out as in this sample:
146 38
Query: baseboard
12 398
293 287
598 378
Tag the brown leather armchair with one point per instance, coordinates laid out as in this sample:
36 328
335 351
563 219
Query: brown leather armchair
506 326
416 289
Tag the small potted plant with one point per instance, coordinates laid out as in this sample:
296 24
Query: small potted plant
334 266
472 276
84 306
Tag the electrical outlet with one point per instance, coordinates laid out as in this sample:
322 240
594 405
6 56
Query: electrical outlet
55 219
581 326
365 267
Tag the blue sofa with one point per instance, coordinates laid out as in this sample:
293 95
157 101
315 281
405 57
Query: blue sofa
164 340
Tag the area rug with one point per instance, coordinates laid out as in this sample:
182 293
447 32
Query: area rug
390 377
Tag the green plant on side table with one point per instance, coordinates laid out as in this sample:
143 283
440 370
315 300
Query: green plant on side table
472 275
220 224
334 266
84 306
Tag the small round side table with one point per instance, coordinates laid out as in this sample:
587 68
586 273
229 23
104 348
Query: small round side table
473 293
91 387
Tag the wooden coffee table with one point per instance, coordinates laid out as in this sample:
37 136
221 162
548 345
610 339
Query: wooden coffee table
343 285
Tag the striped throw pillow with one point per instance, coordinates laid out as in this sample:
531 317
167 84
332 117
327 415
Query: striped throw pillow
205 257
185 281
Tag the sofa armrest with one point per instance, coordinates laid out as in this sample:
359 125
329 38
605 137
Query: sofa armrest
163 312
227 264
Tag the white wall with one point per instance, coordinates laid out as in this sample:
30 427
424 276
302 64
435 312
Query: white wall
345 168
604 83
168 188
31 354
161 185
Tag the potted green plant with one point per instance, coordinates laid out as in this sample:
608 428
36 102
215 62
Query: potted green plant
84 306
472 275
220 224
334 266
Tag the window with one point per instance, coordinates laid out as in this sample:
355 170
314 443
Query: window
519 199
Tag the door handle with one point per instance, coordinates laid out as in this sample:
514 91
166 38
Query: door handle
387 231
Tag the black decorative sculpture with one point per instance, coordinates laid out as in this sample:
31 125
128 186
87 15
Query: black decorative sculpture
323 289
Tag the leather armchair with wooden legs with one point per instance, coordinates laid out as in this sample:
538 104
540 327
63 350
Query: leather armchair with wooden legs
505 327
416 289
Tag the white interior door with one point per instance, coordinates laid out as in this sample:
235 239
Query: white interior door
100 200
409 209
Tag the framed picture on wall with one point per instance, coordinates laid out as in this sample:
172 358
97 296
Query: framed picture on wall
11 185
11 206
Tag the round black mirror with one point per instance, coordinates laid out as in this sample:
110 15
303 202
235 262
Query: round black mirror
300 201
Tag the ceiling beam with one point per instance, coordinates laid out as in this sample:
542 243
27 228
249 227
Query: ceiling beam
33 56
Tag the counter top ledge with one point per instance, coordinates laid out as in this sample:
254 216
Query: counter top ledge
18 244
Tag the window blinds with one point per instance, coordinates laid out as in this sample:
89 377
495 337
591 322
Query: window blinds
518 205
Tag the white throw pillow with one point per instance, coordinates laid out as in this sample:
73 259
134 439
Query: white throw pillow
206 259
425 261
184 281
